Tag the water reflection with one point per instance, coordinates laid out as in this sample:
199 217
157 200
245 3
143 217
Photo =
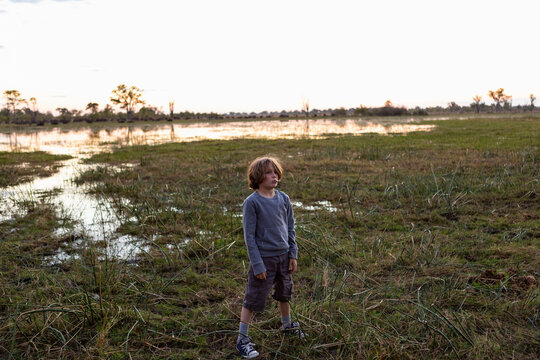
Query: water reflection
60 141
96 218
318 205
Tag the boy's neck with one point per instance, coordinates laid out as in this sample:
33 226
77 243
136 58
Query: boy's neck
267 193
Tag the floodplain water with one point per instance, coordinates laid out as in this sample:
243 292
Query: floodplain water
95 217
84 140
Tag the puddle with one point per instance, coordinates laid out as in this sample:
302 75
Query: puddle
316 206
95 217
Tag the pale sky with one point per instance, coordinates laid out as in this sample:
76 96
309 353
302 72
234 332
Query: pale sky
251 55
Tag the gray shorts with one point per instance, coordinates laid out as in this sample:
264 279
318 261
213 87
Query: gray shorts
277 275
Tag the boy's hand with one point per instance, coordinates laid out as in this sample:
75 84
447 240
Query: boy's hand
261 276
293 266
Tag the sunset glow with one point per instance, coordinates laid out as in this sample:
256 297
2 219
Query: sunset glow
245 55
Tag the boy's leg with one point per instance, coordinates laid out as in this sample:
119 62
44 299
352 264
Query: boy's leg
289 327
283 293
246 315
285 310
255 300
245 320
243 343
283 289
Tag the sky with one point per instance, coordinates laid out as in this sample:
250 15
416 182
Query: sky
251 55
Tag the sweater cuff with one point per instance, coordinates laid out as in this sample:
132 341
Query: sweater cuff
293 254
258 268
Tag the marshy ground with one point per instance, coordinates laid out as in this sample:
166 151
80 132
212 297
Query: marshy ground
16 168
424 245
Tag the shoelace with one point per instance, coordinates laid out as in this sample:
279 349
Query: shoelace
247 347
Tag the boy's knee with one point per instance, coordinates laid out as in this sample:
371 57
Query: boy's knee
257 306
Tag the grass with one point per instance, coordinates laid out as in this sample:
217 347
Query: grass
19 167
431 250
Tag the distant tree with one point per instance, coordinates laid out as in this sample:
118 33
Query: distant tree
361 110
507 102
171 110
65 115
499 97
108 109
532 98
127 98
477 99
33 102
76 115
93 107
13 99
340 112
418 111
453 107
305 107
147 113
388 109
107 113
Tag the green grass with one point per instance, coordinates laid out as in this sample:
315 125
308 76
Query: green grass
432 251
19 167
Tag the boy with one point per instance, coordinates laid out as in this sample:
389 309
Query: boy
269 234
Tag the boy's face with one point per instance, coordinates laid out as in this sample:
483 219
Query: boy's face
270 179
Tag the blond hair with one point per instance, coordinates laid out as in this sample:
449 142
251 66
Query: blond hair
257 169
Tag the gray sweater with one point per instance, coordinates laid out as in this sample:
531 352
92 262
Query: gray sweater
268 228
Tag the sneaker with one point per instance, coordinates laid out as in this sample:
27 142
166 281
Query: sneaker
293 329
245 347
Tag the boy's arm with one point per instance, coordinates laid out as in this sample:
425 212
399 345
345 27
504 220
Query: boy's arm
293 248
249 220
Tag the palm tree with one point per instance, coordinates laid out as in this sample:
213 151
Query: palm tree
477 99
33 101
13 98
305 107
171 110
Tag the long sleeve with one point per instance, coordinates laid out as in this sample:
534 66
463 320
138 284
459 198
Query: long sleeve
249 220
293 247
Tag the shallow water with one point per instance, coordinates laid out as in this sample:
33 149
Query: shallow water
96 218
75 141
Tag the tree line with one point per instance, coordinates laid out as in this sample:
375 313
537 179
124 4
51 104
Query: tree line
18 110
